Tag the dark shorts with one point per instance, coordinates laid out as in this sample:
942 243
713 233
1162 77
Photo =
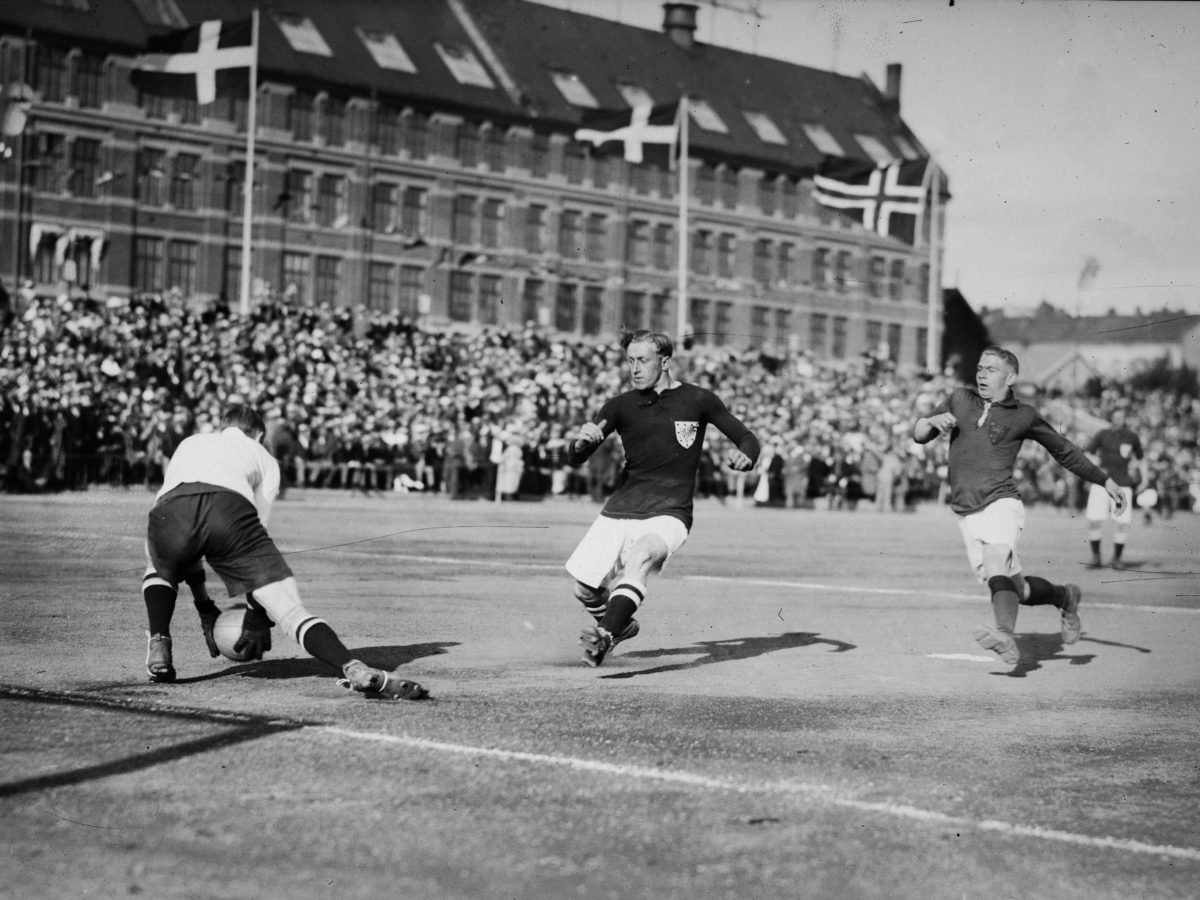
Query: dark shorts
216 525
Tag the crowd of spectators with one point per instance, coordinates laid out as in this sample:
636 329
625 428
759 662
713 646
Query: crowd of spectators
98 393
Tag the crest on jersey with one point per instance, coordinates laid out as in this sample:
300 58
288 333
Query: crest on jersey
685 433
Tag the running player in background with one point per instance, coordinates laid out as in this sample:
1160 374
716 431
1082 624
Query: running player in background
661 423
214 505
1113 449
987 427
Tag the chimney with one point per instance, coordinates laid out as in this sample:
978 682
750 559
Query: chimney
892 92
679 23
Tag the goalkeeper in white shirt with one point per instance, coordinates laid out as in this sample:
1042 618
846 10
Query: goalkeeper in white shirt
214 504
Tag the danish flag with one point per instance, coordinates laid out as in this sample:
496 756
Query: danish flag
197 62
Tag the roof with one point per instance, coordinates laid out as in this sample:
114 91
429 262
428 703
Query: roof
1051 326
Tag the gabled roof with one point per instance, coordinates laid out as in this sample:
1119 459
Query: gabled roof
1052 326
532 41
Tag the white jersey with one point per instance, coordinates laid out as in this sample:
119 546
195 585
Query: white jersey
227 460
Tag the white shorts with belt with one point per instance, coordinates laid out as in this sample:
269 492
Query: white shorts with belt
1000 522
1100 506
603 549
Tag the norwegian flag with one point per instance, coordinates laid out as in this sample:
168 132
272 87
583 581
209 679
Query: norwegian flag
198 62
886 199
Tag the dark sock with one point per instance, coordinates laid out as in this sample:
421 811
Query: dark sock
1043 592
322 642
621 607
1118 549
598 605
1005 602
1095 549
160 607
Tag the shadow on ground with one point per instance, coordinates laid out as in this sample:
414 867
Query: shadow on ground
729 650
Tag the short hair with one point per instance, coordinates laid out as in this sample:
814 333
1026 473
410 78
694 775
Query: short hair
662 343
243 417
1008 356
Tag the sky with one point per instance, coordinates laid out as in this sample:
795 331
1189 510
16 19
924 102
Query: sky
1068 130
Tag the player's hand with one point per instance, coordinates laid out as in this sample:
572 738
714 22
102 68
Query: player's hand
739 461
591 432
943 422
255 639
207 623
1118 496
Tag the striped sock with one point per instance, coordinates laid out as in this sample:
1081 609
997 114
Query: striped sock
623 602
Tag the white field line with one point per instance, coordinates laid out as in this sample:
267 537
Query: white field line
779 583
808 791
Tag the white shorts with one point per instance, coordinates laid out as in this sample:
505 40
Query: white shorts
1000 522
1101 507
603 549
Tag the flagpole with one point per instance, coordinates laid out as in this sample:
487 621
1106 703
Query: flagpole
933 327
682 275
248 187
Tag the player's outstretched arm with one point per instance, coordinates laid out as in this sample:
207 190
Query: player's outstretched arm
589 437
1118 496
926 428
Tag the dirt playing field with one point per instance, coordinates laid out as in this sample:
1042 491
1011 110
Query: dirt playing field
804 715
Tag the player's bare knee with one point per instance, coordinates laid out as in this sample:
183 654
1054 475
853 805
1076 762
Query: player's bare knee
584 593
647 555
997 559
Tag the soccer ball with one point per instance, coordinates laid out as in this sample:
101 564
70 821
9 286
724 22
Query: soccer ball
227 631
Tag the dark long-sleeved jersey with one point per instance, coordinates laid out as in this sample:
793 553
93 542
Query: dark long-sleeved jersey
663 435
982 456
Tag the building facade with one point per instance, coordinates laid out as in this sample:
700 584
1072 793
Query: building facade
419 157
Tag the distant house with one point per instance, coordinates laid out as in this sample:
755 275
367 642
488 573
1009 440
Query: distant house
1059 350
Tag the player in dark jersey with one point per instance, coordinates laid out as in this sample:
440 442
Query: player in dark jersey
1113 449
987 428
647 518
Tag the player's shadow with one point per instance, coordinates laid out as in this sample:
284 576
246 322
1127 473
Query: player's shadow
1039 648
387 657
727 651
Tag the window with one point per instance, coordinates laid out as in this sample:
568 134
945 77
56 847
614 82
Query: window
535 228
50 74
768 195
699 320
151 177
532 301
896 280
726 254
838 351
493 149
385 206
922 342
785 271
414 214
411 279
660 306
907 148
597 237
702 246
381 286
642 179
565 304
593 309
820 268
85 166
539 155
633 310
181 266
874 336
759 316
155 106
296 270
464 65
637 251
489 299
602 168
875 279
768 132
333 122
791 198
325 286
460 296
300 115
574 91
729 187
635 95
663 235
89 80
416 135
841 271
463 224
387 130
923 283
297 199
893 342
302 34
187 110
706 117
467 150
385 49
762 261
331 202
818 329
574 159
185 169
875 149
823 139
231 274
570 234
148 264
706 183
722 323
492 223
783 326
